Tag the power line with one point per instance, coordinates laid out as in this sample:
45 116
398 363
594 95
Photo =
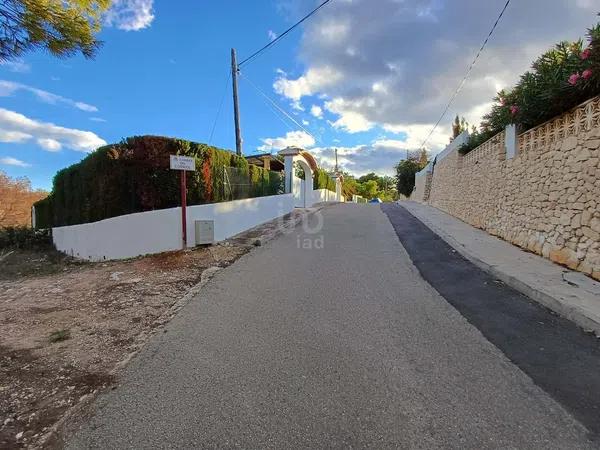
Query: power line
212 131
256 53
272 102
462 83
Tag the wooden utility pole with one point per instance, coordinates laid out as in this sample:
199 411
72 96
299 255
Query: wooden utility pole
336 164
236 108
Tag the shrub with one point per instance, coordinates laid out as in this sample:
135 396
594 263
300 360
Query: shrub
25 238
134 176
558 81
59 336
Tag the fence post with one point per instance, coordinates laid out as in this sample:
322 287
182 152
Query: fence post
511 142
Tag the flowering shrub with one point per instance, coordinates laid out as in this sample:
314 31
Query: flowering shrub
559 80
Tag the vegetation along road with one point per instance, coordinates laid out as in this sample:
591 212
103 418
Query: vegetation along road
277 353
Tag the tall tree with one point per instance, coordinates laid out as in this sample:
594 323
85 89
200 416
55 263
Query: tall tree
63 27
368 189
459 125
423 158
405 176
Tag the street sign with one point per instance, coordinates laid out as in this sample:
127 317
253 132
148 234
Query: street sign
183 163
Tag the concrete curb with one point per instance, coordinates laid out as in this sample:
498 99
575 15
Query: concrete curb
554 303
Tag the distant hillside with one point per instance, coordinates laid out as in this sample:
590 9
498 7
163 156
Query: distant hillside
16 199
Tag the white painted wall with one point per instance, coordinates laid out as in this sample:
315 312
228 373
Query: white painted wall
158 231
324 195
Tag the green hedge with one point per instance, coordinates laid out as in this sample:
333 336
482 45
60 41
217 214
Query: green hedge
322 180
134 176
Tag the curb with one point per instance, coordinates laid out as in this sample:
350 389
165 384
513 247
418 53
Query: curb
553 303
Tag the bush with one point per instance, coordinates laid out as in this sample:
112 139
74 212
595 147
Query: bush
558 81
134 176
25 238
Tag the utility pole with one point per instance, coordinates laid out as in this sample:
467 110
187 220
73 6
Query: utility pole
236 107
336 164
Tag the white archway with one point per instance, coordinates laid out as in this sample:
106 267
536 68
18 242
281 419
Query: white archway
301 189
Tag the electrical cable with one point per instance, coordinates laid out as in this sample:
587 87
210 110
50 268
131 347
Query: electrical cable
279 37
212 131
462 83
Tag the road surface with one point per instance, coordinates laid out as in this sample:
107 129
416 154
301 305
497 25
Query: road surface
330 339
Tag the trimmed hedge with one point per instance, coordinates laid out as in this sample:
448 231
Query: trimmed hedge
322 180
134 176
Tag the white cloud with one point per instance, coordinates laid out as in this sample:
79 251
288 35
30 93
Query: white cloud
15 127
396 65
16 65
85 107
10 161
291 138
316 111
8 88
130 15
416 135
297 105
272 35
350 119
305 122
97 119
52 145
379 156
13 136
308 84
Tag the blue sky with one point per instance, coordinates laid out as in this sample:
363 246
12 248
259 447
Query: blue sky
370 81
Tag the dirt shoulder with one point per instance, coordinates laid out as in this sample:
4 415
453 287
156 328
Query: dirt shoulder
65 326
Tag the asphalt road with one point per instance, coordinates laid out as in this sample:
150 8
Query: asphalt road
334 347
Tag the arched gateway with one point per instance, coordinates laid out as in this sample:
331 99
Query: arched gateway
303 189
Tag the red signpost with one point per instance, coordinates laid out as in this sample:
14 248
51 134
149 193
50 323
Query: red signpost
183 207
183 163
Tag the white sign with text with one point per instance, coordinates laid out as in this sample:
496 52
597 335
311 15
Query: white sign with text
183 163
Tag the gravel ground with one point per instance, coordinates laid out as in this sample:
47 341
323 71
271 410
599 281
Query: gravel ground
63 333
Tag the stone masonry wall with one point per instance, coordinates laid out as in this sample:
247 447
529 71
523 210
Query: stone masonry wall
546 199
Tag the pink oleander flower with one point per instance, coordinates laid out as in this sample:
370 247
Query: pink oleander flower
587 73
514 109
573 79
586 53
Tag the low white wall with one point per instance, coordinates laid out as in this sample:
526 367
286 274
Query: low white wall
323 195
158 231
233 217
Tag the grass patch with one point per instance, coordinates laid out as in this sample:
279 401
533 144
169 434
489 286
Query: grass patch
59 336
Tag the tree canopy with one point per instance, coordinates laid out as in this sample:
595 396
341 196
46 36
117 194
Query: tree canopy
369 186
406 170
63 27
